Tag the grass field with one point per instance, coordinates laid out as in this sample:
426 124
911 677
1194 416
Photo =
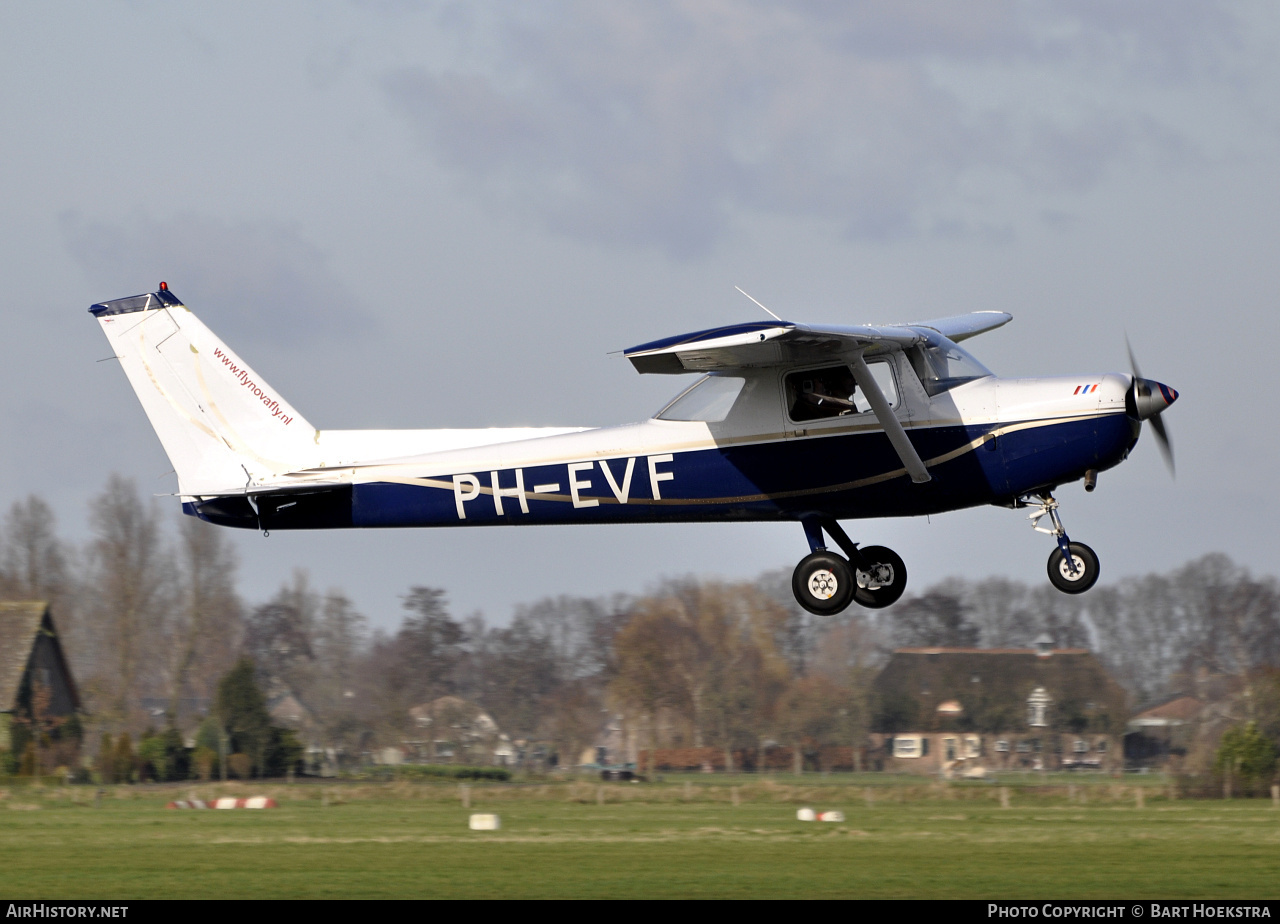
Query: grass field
673 839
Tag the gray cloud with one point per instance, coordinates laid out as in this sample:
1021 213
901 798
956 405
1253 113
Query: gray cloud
255 280
1166 39
653 123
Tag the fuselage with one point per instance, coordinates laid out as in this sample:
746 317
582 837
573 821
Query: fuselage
984 441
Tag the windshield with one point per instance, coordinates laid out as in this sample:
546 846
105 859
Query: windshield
942 365
709 399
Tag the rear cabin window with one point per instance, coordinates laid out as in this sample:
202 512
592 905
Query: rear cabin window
821 394
709 399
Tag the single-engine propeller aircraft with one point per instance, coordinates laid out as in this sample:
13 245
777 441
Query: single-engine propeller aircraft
786 421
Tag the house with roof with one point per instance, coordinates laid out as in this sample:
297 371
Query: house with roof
969 711
1162 731
454 730
288 710
33 673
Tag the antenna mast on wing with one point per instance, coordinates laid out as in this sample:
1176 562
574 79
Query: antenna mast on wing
767 311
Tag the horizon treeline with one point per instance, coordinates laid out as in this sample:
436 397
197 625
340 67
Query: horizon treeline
151 619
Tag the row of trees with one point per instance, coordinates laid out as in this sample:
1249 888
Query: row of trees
151 620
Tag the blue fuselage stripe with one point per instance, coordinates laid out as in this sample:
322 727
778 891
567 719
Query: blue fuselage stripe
779 480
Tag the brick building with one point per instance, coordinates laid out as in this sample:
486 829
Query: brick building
967 711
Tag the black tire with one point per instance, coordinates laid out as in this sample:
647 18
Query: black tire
823 583
870 591
1087 569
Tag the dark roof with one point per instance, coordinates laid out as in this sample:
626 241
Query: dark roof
1180 707
20 628
19 623
992 686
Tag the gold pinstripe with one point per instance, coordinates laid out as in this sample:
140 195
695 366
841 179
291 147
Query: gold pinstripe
961 450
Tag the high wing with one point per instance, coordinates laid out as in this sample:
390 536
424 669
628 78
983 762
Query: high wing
764 343
784 343
963 326
776 343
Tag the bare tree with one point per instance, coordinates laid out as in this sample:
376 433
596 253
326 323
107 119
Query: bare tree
579 631
207 622
340 638
850 654
128 600
432 644
991 613
519 671
644 683
33 563
36 565
707 656
280 637
572 717
1002 610
812 714
933 620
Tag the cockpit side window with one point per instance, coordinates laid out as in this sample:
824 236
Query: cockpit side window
942 365
821 394
709 399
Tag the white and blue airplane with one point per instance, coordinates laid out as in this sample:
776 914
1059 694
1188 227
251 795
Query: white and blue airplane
786 421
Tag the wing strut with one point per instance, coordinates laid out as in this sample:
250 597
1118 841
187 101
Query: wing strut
892 428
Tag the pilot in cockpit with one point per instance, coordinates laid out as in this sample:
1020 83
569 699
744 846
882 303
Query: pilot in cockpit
825 393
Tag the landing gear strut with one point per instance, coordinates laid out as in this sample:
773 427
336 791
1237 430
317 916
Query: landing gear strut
1073 566
824 583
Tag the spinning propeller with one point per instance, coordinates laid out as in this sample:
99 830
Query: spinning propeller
1145 400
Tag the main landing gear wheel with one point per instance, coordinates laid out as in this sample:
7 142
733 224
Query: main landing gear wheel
883 583
823 583
1082 578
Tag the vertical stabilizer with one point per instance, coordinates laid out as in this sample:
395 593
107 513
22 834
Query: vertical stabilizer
224 429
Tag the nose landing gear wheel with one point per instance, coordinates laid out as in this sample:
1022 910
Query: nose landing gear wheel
823 583
1086 569
883 583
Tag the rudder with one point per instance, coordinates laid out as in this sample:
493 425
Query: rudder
224 429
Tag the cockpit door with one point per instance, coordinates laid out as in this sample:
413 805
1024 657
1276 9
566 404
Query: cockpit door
827 399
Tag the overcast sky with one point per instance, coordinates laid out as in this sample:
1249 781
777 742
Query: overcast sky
447 214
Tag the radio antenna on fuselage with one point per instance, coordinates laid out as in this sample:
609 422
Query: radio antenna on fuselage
767 311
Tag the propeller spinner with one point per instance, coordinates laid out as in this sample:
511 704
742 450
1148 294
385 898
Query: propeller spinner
1145 400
